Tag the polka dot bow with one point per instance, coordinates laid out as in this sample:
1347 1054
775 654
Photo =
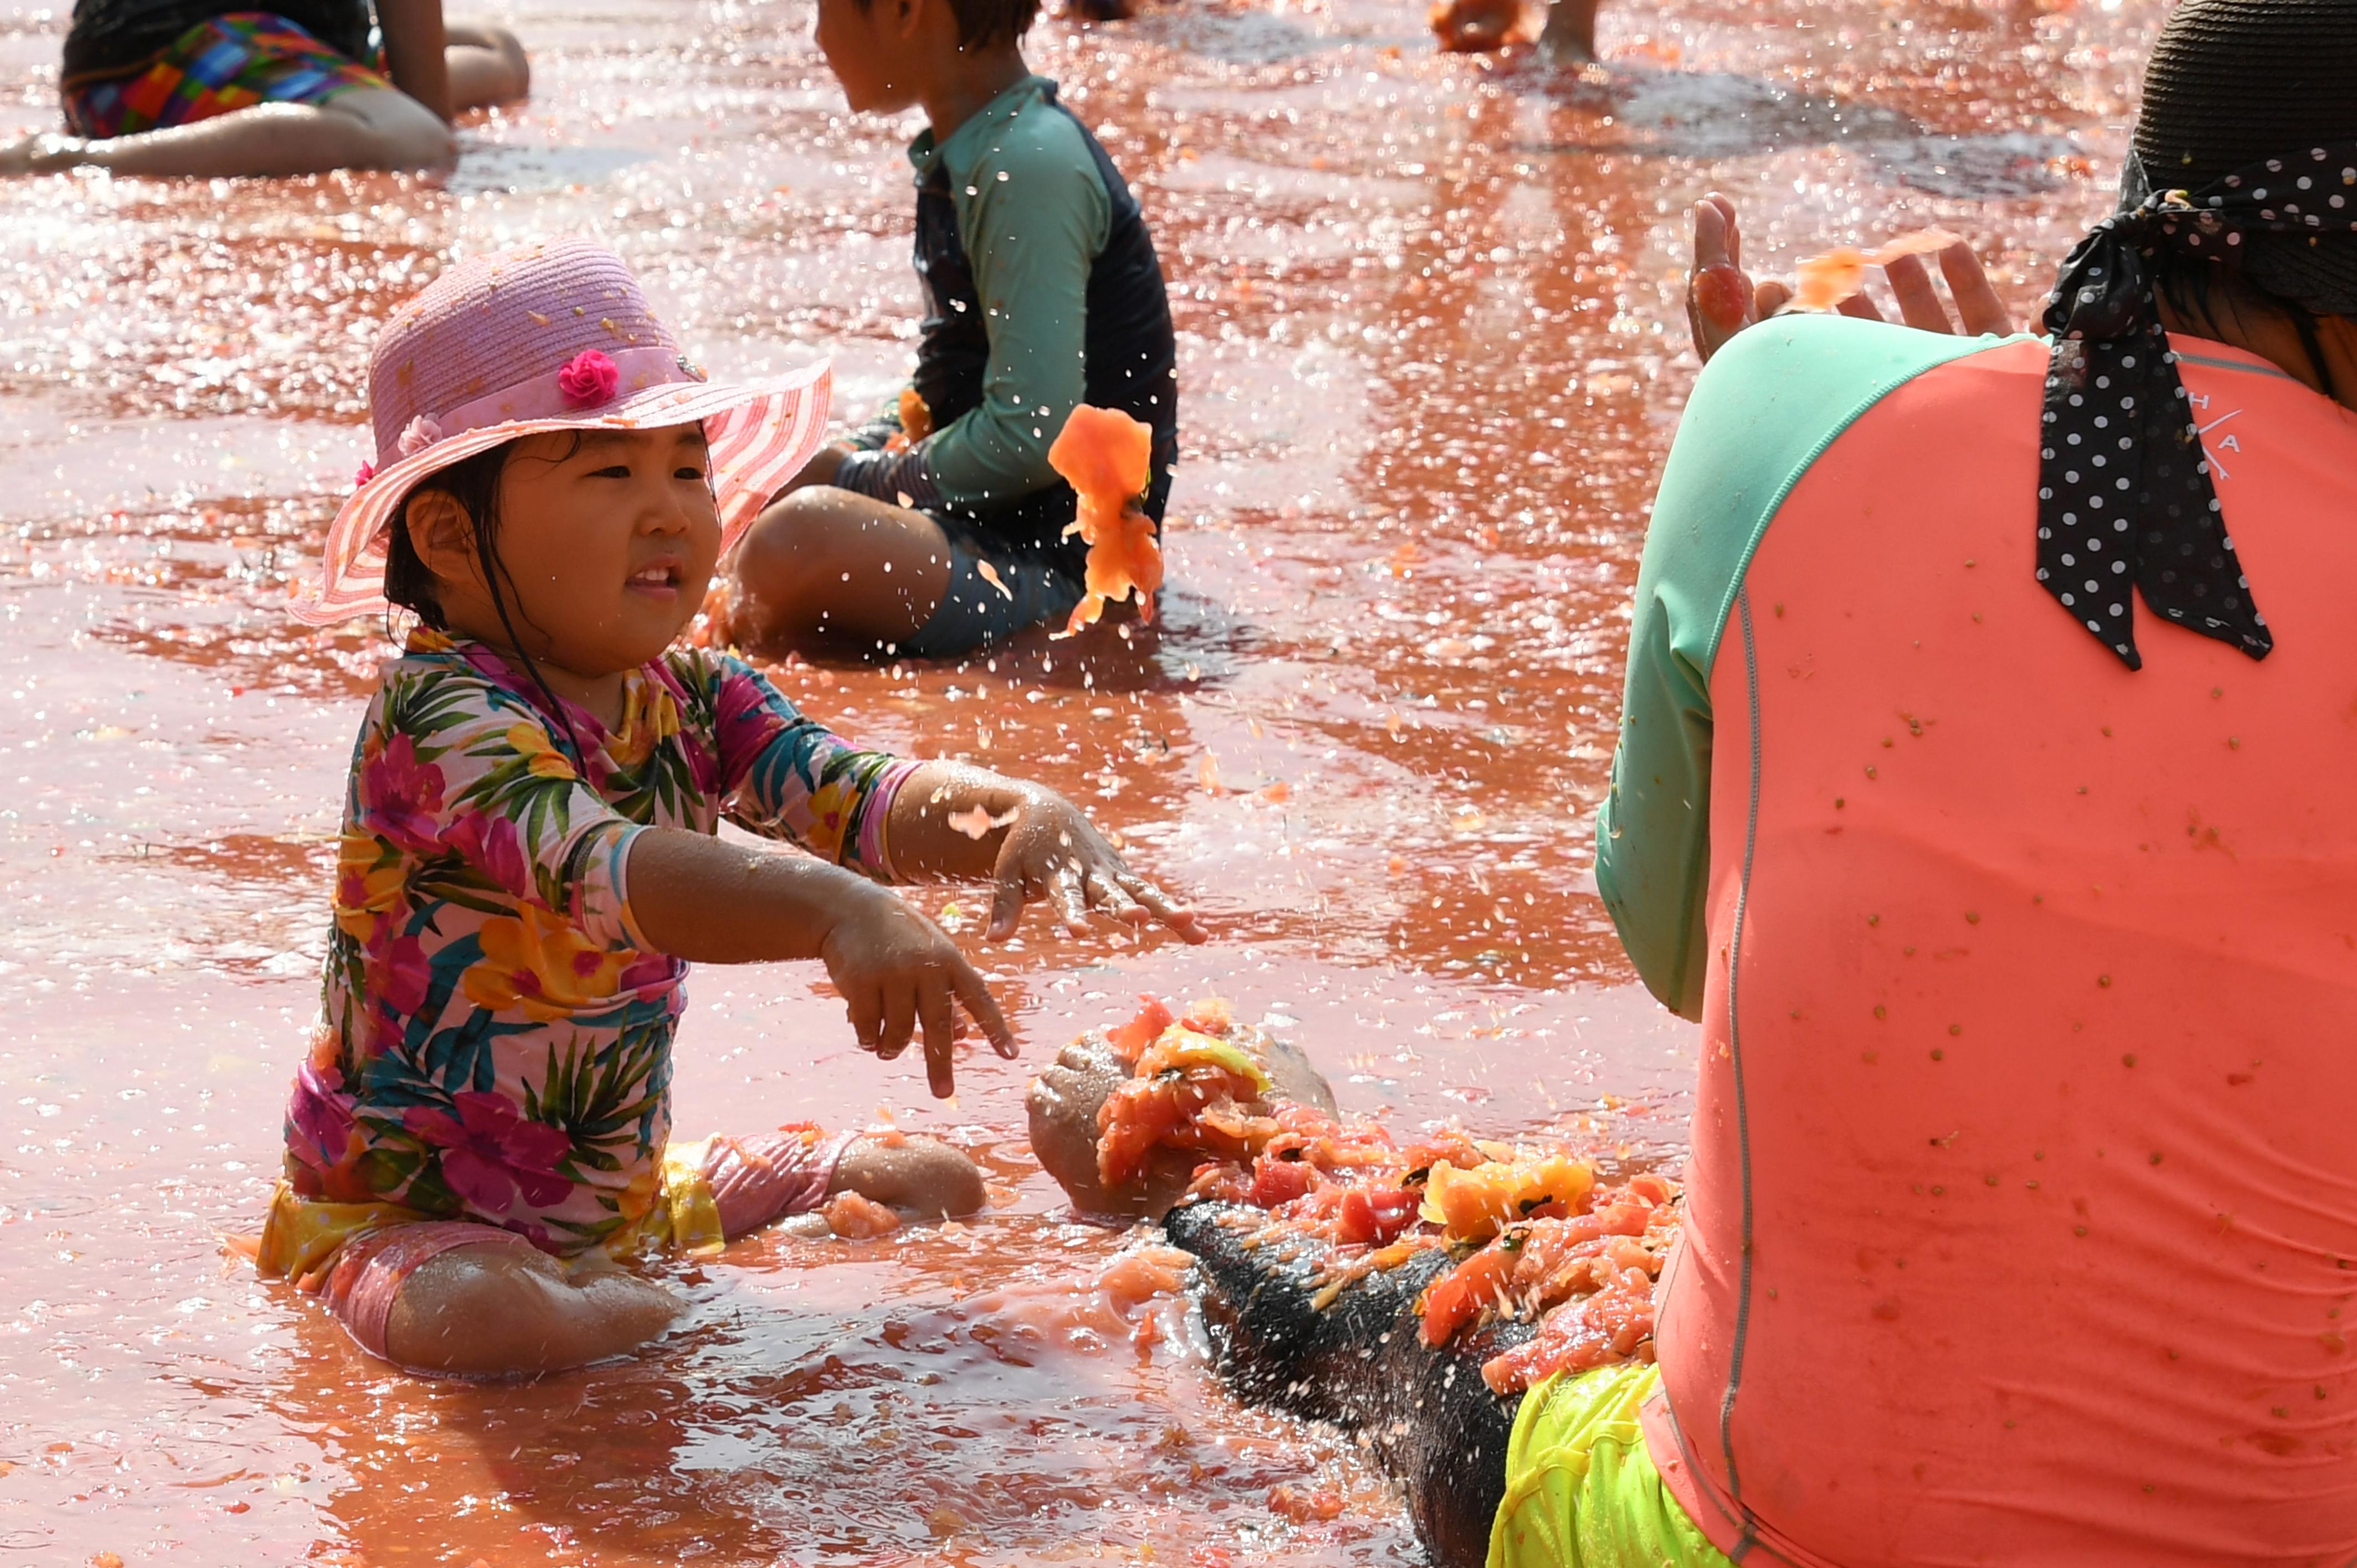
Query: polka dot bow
2125 504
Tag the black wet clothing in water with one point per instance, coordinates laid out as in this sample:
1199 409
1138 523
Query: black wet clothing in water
114 37
1363 1364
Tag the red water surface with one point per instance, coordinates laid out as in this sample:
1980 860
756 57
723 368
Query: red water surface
1432 354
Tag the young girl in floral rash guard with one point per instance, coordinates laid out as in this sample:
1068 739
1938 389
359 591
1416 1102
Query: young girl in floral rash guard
481 1133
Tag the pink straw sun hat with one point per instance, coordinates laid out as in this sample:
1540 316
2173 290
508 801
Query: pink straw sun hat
548 337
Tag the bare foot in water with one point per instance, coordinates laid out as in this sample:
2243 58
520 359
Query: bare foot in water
44 154
1570 35
1478 26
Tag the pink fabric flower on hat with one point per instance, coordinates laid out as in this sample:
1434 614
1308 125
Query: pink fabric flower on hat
589 378
421 434
363 474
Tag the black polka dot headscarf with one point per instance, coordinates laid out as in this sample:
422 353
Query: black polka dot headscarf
2126 505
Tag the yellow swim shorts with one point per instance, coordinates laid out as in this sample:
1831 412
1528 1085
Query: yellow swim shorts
301 1236
1581 1491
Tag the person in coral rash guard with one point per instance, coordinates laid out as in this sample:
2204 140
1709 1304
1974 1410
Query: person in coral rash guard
1983 790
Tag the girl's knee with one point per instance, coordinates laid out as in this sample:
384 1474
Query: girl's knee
795 556
924 1175
444 1306
510 46
491 1310
803 523
394 131
487 64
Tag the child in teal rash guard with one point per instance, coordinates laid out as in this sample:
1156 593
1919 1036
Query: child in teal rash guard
1041 291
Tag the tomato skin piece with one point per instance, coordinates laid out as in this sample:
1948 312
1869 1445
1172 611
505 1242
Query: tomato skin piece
1654 1189
1375 1217
1210 1016
1131 1039
1280 1181
1447 1305
1719 294
1302 1505
1356 1224
1625 1218
1457 1299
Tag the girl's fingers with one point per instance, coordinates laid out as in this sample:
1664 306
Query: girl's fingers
1711 235
1919 302
1106 894
899 1021
939 1021
1734 228
867 1015
1019 882
1008 899
1771 297
1975 297
1072 899
1165 908
976 998
1857 304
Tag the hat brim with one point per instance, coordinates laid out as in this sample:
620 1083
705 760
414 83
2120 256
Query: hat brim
761 433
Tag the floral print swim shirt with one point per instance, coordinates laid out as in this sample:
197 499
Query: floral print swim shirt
496 1034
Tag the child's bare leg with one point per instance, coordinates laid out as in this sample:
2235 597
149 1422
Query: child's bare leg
370 127
924 1175
500 1310
487 66
831 570
1570 35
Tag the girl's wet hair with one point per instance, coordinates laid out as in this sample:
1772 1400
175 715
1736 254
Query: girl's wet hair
2209 293
474 484
983 22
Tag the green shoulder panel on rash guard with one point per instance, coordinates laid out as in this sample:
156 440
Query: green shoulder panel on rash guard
1765 409
1033 215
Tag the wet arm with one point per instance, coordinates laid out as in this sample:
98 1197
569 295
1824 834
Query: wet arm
1032 237
785 776
414 51
695 897
1768 402
952 820
919 829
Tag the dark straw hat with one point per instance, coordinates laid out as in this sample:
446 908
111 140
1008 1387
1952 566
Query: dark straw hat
2245 157
2233 83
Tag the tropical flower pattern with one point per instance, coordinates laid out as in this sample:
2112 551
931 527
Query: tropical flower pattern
496 1035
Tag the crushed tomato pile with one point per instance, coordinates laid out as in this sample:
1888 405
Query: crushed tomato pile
1534 1236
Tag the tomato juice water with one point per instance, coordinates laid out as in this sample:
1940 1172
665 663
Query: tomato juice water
1431 353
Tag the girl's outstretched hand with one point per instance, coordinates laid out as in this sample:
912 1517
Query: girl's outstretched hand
953 819
1051 851
1722 300
708 902
900 973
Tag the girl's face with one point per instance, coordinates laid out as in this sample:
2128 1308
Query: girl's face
861 43
608 539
